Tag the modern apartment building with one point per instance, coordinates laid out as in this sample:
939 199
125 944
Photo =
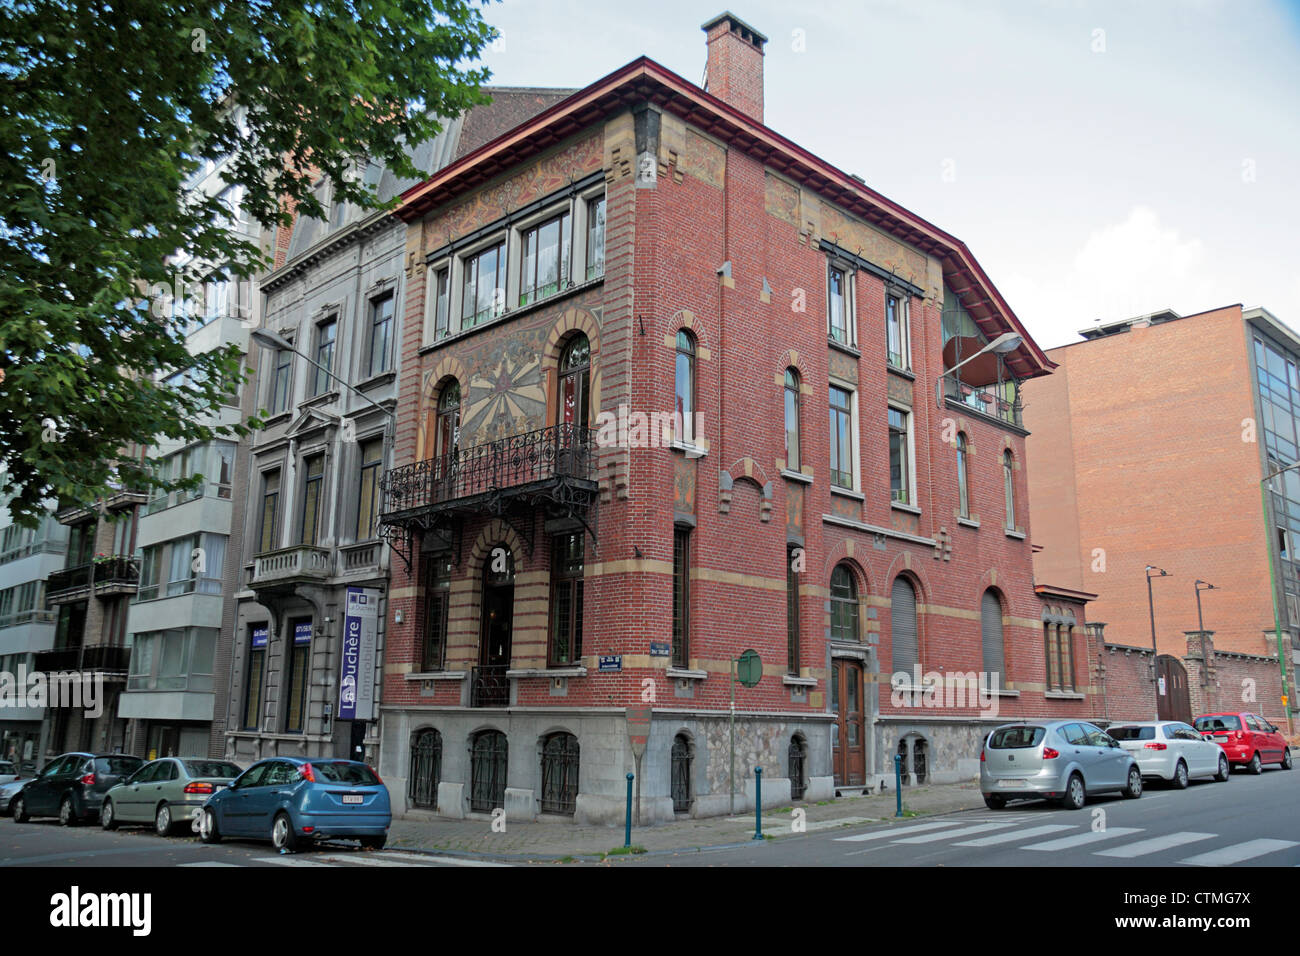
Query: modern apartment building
1152 445
626 324
306 550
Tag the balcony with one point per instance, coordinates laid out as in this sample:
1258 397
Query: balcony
361 558
289 566
69 585
551 468
99 658
115 574
984 400
117 499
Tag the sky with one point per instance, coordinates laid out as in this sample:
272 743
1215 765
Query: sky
1100 159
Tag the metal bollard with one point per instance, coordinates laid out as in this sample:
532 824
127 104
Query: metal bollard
627 826
898 783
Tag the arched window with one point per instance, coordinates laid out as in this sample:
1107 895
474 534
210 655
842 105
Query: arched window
447 433
902 626
426 769
791 419
795 768
844 605
1009 487
489 755
991 627
560 774
963 475
684 407
680 785
575 381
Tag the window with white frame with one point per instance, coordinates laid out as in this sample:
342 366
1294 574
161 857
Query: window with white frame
545 263
483 291
843 428
896 331
839 304
900 456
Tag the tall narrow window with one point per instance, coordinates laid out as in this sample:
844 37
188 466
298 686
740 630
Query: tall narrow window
896 330
313 482
837 299
545 259
791 419
567 555
299 659
485 286
372 463
381 334
441 302
900 479
436 595
991 632
280 380
685 384
963 478
575 379
841 401
844 605
902 626
596 238
1009 487
681 597
270 509
447 433
793 556
257 640
325 334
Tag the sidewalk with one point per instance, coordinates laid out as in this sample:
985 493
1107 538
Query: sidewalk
554 840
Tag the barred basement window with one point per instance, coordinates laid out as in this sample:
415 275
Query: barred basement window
797 755
426 769
487 771
681 774
560 774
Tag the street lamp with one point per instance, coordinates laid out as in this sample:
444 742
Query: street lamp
1272 582
1155 655
1006 342
1201 586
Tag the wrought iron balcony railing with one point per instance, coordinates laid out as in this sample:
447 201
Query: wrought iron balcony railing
561 451
489 686
68 583
986 400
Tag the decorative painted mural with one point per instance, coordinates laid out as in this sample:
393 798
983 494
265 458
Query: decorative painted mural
684 472
704 159
873 245
844 367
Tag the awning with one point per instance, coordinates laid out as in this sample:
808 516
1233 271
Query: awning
978 372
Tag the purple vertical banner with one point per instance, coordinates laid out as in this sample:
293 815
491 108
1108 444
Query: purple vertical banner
357 657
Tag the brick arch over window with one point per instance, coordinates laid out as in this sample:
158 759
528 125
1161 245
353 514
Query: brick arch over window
688 320
839 617
852 551
993 622
447 369
905 638
569 325
746 470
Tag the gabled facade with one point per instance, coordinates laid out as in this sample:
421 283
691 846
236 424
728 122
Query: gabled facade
628 322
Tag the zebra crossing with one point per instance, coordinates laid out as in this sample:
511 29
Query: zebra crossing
1024 833
315 860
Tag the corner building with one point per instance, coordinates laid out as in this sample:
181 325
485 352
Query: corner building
628 323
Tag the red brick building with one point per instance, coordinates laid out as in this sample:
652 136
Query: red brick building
1149 444
628 322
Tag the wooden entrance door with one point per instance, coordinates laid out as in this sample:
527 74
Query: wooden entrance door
850 751
1176 702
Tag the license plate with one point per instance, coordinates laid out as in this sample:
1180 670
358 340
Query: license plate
352 798
1220 739
1010 784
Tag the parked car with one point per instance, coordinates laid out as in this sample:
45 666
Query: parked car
10 790
72 787
1171 750
1062 760
167 792
1247 739
291 800
8 772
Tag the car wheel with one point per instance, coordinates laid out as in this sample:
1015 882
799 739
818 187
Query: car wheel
994 802
1076 795
1286 759
1256 765
162 821
1134 788
1180 776
20 810
107 820
1224 769
67 813
282 835
208 832
377 843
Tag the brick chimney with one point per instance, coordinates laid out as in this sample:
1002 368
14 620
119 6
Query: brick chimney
735 70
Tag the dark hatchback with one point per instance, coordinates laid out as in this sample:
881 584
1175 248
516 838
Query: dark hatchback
72 787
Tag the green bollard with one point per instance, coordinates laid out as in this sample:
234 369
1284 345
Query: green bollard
758 803
627 826
898 783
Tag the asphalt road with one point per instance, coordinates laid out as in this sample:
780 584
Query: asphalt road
1246 821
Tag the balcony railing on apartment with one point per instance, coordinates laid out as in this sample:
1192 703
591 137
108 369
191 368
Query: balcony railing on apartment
983 399
117 574
30 616
361 557
95 658
301 562
68 584
564 452
489 686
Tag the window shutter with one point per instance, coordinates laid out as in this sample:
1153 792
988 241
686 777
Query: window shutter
903 626
991 617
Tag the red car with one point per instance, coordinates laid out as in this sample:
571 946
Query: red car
1247 739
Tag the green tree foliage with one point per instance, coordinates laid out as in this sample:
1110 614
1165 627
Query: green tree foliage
107 111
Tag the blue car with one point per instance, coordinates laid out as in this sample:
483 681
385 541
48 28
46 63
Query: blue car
292 800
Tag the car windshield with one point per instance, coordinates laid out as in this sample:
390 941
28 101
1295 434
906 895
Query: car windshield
355 774
1133 733
1218 722
1016 738
211 768
117 765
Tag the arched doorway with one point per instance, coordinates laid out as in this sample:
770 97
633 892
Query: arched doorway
491 686
1173 697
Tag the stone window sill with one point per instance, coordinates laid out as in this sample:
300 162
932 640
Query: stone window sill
969 522
791 681
437 675
904 506
1063 695
1012 533
681 673
796 476
848 493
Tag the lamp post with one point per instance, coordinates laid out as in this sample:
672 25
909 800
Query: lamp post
1155 655
1006 342
1201 586
1272 584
